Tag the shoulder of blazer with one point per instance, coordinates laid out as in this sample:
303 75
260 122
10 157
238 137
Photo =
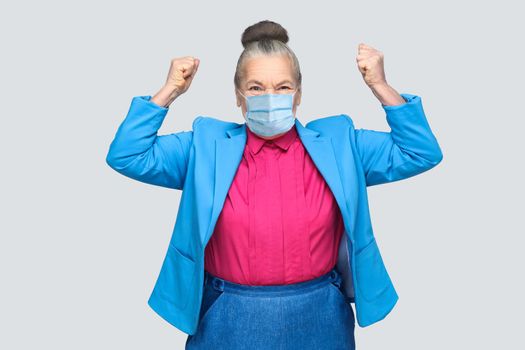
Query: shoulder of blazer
331 122
206 126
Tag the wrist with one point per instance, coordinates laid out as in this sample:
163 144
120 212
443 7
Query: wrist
379 87
165 96
387 95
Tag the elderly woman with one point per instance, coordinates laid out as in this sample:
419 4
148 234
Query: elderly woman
273 240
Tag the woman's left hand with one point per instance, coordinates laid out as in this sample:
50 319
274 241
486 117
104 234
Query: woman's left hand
371 65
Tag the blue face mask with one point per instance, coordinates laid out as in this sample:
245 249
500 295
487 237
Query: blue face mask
269 114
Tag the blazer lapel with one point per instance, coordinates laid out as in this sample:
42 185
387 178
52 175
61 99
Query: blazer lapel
321 151
228 155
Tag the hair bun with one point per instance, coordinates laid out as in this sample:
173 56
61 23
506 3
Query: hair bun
264 30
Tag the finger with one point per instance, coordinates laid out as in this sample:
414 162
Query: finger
365 53
196 67
363 56
186 63
197 62
190 60
366 50
188 69
362 65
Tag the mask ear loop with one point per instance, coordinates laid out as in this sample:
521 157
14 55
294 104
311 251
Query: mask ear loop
239 91
245 100
293 98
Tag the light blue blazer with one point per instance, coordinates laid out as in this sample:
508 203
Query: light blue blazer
203 162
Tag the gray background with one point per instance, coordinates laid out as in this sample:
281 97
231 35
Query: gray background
81 245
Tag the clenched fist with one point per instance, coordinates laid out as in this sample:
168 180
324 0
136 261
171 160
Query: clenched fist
181 73
371 65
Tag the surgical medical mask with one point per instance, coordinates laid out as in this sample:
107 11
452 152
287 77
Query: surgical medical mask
269 114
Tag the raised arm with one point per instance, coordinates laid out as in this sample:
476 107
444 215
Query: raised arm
410 148
137 151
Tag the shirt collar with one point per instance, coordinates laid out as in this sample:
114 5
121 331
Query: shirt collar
284 141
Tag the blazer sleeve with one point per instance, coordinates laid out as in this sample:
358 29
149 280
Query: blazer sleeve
410 147
139 153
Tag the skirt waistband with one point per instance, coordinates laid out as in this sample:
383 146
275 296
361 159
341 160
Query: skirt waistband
220 284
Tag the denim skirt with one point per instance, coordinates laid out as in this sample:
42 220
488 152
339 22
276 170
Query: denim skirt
313 314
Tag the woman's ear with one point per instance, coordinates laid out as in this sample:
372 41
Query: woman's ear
298 98
237 97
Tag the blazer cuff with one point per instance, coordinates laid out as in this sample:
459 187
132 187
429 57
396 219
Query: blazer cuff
147 100
409 99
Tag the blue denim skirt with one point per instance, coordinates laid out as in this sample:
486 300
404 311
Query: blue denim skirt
313 314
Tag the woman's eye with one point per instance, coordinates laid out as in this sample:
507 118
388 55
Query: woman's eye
285 87
253 87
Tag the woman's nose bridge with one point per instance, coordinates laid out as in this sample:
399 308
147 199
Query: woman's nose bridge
268 89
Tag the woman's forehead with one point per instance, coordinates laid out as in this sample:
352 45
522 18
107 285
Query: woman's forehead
268 69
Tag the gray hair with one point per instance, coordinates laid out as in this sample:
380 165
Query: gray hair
265 38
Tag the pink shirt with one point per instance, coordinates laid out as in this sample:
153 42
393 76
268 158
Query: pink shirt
280 223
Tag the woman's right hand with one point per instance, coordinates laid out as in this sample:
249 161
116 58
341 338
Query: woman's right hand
181 73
